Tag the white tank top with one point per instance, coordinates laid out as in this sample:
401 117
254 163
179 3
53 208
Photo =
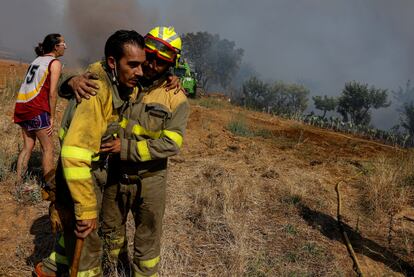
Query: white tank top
35 78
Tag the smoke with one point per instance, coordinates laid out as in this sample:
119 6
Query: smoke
85 25
93 21
320 43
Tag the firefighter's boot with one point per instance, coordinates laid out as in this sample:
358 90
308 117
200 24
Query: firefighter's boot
42 271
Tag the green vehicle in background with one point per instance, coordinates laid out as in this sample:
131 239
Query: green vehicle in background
187 77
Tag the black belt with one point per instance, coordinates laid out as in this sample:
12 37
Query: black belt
129 179
135 179
102 162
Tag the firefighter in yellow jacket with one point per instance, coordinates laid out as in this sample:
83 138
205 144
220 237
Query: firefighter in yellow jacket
82 170
152 129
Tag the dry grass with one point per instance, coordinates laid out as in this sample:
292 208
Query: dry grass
212 103
227 223
11 76
211 211
260 205
388 187
27 239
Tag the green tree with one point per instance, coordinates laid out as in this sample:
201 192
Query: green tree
255 92
407 118
278 98
284 98
325 104
215 60
404 95
357 99
405 98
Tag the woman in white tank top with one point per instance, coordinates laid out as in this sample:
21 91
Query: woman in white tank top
36 104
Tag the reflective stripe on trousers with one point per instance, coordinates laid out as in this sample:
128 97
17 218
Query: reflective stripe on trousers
146 201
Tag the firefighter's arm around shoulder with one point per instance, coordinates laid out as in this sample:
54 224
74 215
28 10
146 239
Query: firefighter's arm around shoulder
65 91
80 145
79 86
165 143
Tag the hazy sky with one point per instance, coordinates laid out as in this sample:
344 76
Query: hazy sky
321 43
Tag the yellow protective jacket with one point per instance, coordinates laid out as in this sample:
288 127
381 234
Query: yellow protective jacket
153 127
82 130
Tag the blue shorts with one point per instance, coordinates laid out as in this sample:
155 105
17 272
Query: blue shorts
39 122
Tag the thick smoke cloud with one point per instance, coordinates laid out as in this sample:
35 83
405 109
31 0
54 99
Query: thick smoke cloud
85 24
320 43
93 22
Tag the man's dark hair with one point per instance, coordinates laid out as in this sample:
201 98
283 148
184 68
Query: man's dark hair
48 44
114 46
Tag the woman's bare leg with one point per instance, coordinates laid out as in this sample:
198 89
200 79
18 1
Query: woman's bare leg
29 140
47 149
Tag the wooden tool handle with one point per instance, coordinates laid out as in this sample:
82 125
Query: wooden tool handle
76 257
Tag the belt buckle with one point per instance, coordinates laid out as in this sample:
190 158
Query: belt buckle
125 178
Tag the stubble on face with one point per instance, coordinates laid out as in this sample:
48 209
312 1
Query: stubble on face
130 65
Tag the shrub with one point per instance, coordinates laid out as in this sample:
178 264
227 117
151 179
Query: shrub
239 128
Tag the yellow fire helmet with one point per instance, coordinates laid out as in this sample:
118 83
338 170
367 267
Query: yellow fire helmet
164 42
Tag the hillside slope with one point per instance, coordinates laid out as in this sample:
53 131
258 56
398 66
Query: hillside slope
260 203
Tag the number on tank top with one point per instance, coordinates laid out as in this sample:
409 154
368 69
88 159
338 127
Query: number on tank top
31 73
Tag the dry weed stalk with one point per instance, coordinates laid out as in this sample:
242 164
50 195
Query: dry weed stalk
389 187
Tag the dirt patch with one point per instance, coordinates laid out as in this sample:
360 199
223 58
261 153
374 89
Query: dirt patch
262 204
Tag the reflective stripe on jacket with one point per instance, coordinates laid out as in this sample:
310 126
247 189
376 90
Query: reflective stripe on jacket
153 125
83 127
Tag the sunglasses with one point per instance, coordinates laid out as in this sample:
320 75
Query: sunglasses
62 44
160 48
151 56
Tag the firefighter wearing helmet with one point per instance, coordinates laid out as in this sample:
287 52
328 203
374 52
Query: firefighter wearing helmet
152 129
164 42
149 129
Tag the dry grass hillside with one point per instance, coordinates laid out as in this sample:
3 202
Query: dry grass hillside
250 195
